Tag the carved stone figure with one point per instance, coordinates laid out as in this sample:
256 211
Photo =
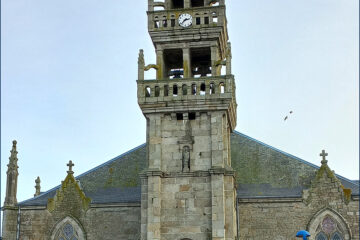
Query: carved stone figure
186 159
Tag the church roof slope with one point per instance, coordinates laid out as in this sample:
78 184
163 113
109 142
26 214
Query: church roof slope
261 171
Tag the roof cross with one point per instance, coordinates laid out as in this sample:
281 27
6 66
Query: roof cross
70 165
323 154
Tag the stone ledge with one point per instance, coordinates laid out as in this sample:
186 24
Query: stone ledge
270 200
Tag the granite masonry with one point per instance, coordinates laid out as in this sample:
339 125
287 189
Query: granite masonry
195 178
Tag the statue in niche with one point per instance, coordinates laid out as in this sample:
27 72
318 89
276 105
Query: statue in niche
186 159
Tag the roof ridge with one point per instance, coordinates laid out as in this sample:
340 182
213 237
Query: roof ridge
292 156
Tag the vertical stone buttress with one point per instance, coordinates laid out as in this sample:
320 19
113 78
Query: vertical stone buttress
10 208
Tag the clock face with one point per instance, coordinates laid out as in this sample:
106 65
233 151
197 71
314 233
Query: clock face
185 20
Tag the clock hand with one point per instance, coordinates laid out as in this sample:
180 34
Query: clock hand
185 20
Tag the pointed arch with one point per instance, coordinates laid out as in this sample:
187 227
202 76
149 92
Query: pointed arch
341 224
69 228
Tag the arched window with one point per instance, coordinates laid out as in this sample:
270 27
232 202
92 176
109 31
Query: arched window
321 236
157 91
327 224
193 89
212 88
184 90
222 88
147 92
68 229
336 236
166 90
202 89
175 90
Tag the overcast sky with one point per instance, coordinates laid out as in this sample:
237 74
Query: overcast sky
69 69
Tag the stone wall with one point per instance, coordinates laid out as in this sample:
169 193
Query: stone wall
325 208
105 223
186 208
272 219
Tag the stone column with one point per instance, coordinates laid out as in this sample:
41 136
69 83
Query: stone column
217 144
154 207
218 206
230 207
160 63
214 58
154 141
187 63
187 4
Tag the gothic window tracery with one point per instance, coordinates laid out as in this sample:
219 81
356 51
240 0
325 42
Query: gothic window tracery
67 232
68 229
329 229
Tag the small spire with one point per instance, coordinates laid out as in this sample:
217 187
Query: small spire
70 165
13 157
12 177
323 154
37 187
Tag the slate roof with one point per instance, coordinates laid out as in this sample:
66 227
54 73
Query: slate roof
261 171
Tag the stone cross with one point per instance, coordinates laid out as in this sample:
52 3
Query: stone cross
323 154
70 165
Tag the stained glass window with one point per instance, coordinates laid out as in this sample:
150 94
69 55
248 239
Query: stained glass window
67 232
336 236
321 236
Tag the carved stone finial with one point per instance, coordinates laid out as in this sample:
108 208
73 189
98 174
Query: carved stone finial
141 57
70 165
228 59
141 65
323 154
37 187
13 157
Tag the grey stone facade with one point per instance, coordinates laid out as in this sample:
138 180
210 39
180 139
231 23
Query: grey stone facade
196 178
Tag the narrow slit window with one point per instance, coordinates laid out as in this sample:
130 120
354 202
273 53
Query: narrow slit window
179 116
212 88
184 90
165 24
193 89
198 20
202 89
156 23
175 90
166 90
206 20
147 92
157 91
172 22
222 88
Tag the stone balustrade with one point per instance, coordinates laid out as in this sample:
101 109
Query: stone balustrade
150 91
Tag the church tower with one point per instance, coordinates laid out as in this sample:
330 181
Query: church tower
188 189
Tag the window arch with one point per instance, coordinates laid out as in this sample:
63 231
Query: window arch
320 236
336 236
327 224
68 229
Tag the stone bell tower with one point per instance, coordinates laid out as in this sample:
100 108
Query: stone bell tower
188 188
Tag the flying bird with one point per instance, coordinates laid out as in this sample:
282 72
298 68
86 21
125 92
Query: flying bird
286 118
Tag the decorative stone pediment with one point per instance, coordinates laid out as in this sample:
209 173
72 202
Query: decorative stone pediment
69 197
326 188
